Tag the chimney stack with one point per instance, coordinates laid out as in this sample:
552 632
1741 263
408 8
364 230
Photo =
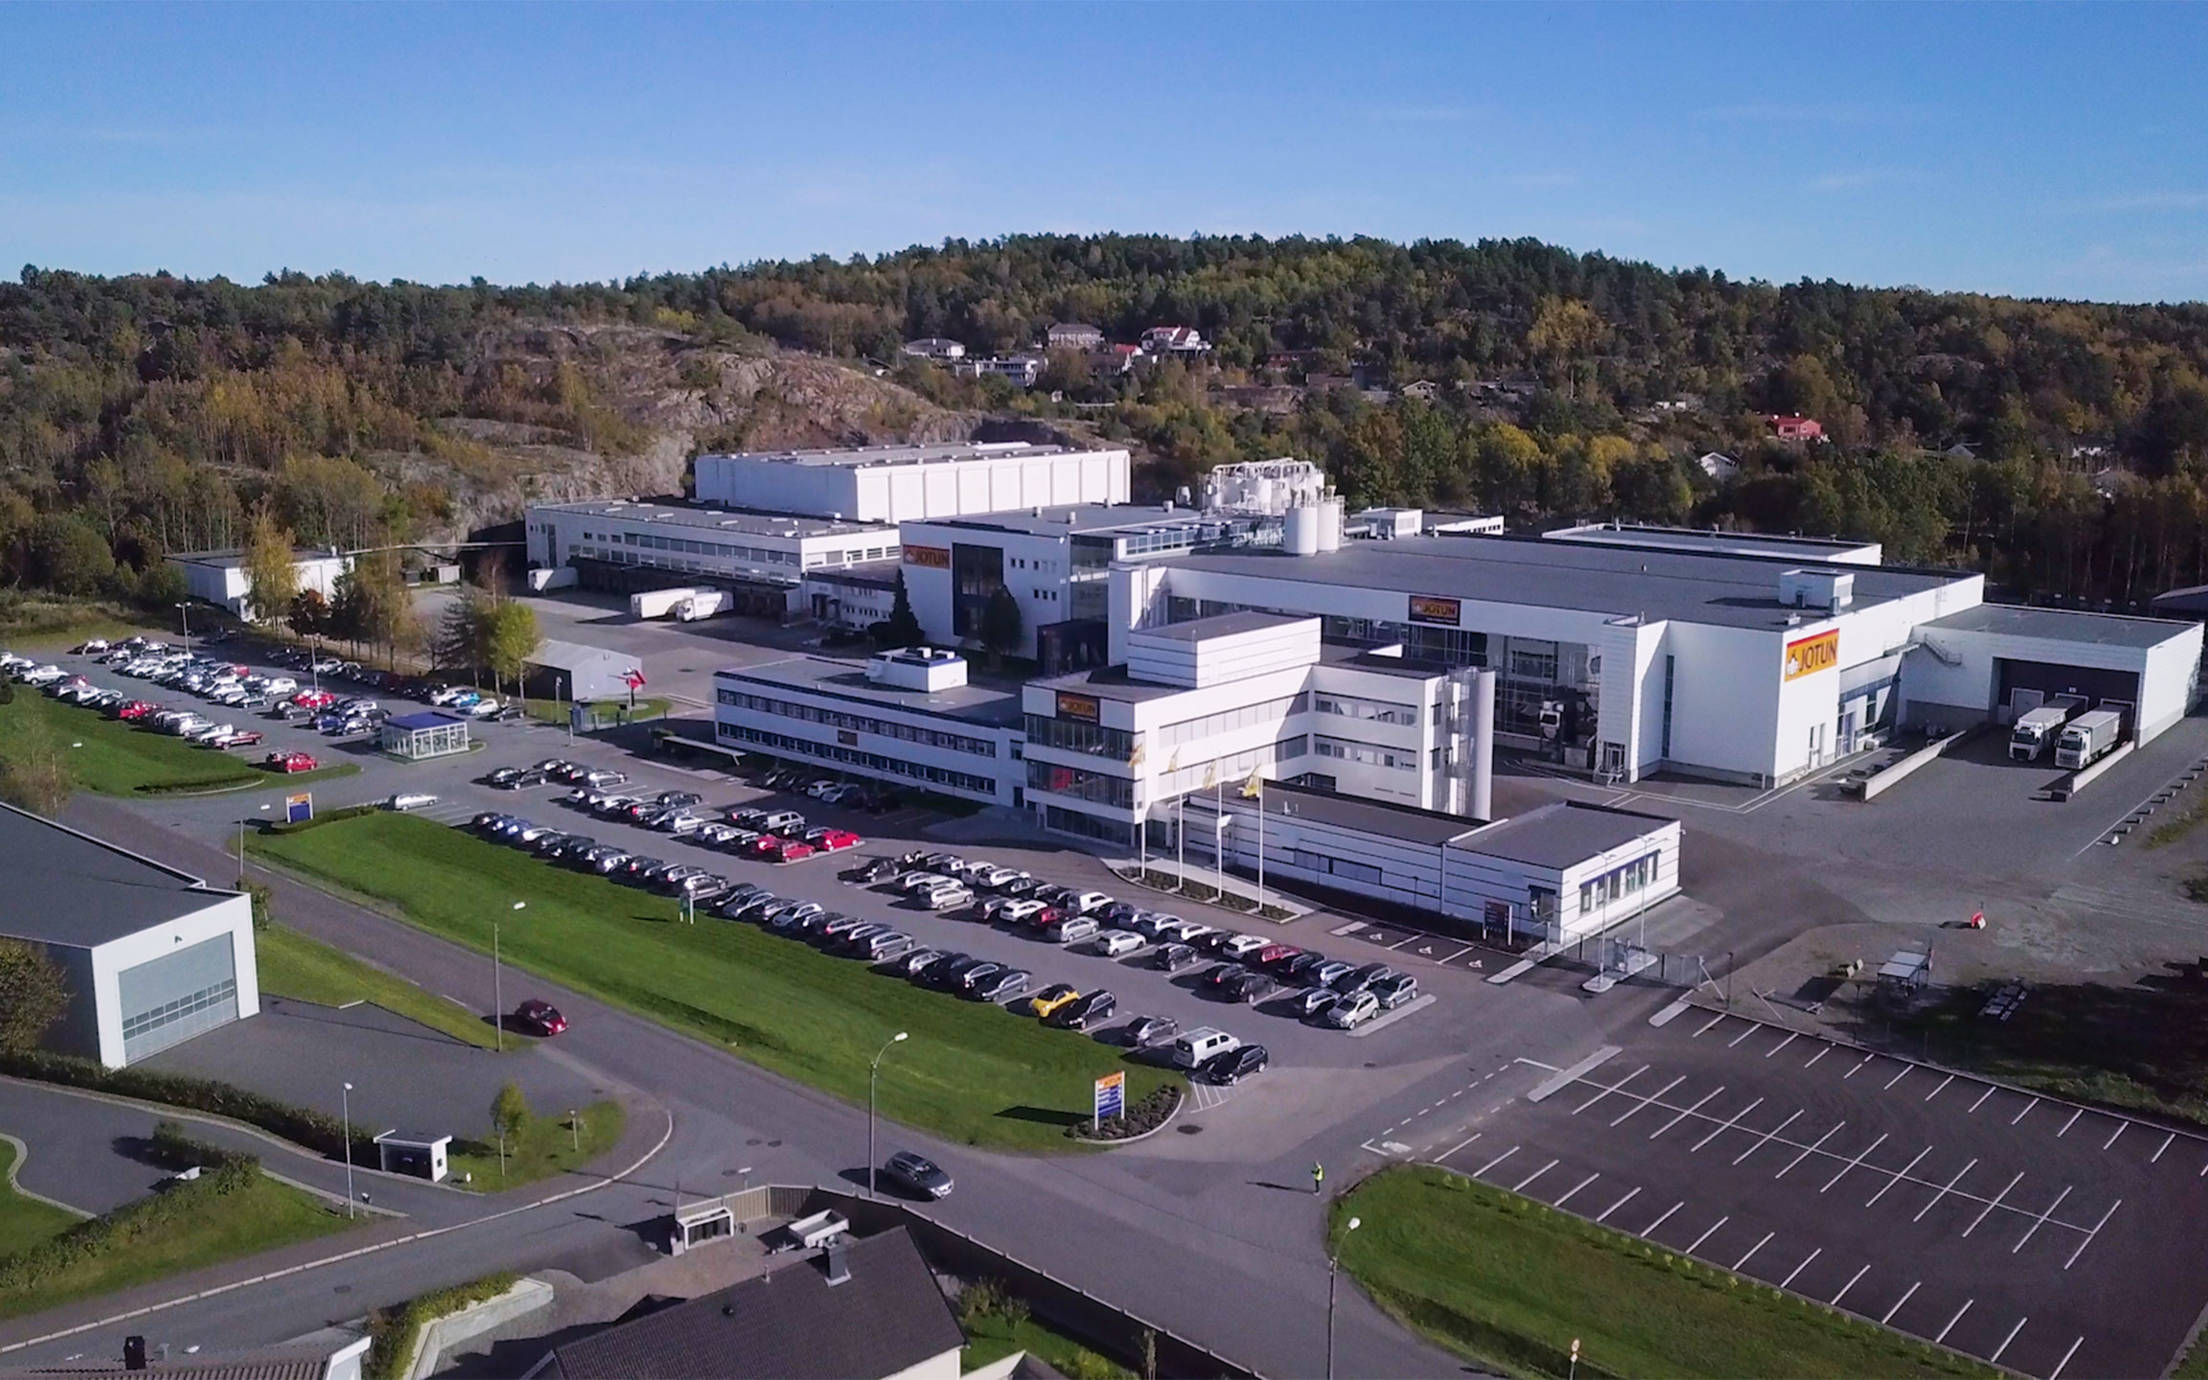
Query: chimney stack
838 1263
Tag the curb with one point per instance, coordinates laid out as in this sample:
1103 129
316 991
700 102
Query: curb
23 1157
1180 1103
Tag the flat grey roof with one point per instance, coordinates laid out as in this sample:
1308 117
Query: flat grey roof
1223 625
1700 539
1111 683
974 704
748 522
882 574
2064 625
937 452
574 656
1285 801
1085 518
1562 833
68 888
1698 587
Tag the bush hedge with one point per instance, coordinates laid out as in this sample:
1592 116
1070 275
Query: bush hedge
394 1333
317 1131
1146 1114
174 1148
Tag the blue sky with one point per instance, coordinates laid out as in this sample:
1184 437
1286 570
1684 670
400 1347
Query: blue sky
2040 150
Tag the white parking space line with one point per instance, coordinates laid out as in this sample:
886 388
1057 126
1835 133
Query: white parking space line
1936 1341
1819 1055
2157 1155
1788 1282
1646 1101
1995 1359
1807 1151
1685 1113
1858 1068
1897 1077
1850 1284
1791 1037
1936 1091
1481 1172
2114 1134
1722 1127
1768 1137
1609 1089
1898 1177
1945 1190
1851 1164
2070 1123
1629 1197
2056 1373
1982 1097
1988 1208
1520 1186
1663 1219
1564 1078
1714 1020
2027 1107
1707 1234
1575 1188
2041 1220
1458 1146
2093 1233
1743 1261
1741 1036
1897 1304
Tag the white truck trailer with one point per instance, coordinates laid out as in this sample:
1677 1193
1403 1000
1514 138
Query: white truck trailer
2036 730
703 603
2088 738
658 603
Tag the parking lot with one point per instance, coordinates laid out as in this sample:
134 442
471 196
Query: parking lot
2016 1228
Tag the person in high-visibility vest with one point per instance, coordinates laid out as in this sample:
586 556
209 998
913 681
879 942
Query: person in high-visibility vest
1318 1177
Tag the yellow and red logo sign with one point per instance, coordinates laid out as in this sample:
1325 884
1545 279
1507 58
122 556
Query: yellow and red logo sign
1813 654
1082 707
933 557
1432 608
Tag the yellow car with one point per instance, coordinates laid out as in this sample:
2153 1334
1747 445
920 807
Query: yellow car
1050 999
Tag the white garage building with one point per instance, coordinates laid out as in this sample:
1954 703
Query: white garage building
219 577
891 484
152 956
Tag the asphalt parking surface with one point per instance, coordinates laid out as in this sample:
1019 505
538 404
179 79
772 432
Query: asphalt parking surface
2046 1237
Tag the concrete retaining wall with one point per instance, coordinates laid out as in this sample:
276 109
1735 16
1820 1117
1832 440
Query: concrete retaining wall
1875 786
453 1329
2086 776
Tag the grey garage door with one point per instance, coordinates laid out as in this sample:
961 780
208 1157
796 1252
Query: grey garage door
170 999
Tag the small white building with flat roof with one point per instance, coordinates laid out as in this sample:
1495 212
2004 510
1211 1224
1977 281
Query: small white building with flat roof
219 577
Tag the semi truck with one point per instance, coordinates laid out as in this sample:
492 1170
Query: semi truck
2088 738
686 604
2036 729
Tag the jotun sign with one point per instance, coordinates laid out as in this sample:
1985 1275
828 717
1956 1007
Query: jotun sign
1813 654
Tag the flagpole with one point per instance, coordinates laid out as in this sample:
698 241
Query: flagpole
1180 841
1219 834
1261 848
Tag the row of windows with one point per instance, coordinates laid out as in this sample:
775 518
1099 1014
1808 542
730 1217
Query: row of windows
858 723
1072 735
1365 709
182 1008
1363 874
756 554
1094 787
1066 821
1629 880
1227 721
850 757
1390 758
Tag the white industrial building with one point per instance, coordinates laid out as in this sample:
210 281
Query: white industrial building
907 718
762 557
853 598
1628 656
1559 872
151 956
891 484
220 577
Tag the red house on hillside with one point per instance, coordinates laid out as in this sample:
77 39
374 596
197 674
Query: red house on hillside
1792 428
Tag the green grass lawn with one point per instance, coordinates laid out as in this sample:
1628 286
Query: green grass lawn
141 1243
555 711
292 965
116 758
24 1222
1508 1283
548 1145
993 1337
972 1071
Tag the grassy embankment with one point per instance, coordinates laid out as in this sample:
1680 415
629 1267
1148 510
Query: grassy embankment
1508 1283
292 965
605 713
24 1222
971 1071
112 757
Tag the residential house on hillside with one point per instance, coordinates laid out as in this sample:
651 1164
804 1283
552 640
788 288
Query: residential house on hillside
1425 390
1794 428
1111 361
1022 370
934 347
1072 335
1719 466
1174 340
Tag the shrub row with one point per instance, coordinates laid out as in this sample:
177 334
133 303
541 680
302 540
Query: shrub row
317 1131
1147 1113
175 1148
126 1226
394 1333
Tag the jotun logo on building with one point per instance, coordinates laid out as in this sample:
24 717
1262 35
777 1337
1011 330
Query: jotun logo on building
1813 654
1433 608
933 557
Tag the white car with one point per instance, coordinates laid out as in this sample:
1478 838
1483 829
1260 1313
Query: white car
1349 1012
1116 943
279 685
483 708
1012 910
410 800
1086 901
43 675
1243 945
210 733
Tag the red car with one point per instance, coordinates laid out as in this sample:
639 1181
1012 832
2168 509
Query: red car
136 709
1274 954
539 1018
314 699
290 761
832 840
249 738
787 850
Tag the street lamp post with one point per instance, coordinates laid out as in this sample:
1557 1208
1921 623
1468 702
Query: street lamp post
345 1101
1334 1269
872 1070
498 989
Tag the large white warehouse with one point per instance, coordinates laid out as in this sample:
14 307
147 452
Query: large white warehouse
883 484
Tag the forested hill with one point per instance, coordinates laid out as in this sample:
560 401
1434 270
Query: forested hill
2061 446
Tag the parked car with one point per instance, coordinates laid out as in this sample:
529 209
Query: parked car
917 1175
787 850
1235 1064
289 762
1172 957
1309 1002
1117 943
242 738
1074 930
1278 956
1088 1012
539 1018
1248 985
1395 991
410 800
1242 946
1002 985
1358 979
1144 1031
832 840
1058 994
948 896
1352 1010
